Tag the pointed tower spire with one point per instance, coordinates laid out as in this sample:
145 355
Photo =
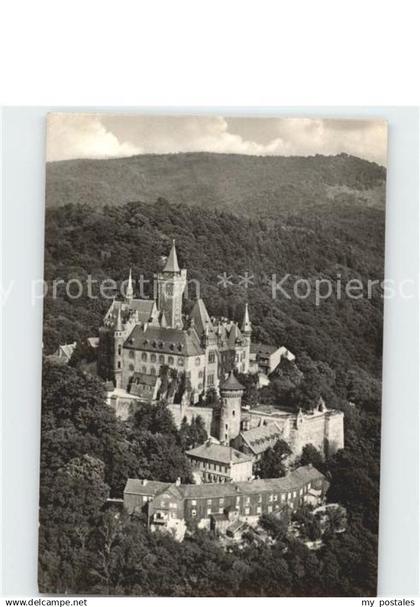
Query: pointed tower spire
246 323
172 261
119 320
129 292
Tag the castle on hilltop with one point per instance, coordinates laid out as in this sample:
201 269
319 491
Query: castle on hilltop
151 351
143 339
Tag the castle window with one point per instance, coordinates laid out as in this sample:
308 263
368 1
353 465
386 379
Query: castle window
221 500
144 369
200 386
193 512
209 502
211 380
259 499
161 358
170 360
153 358
276 497
197 361
294 493
208 510
220 510
246 510
233 413
289 496
193 502
180 361
283 497
143 356
200 374
119 350
119 365
212 357
152 371
258 509
131 354
131 367
270 509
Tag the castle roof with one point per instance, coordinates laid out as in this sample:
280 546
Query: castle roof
201 317
218 453
231 383
145 308
152 338
172 261
261 438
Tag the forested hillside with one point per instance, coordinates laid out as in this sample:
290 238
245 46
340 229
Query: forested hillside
345 245
240 184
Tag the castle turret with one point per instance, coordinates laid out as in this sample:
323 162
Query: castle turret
231 392
129 294
119 337
171 283
246 323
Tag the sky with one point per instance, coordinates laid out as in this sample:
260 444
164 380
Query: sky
79 135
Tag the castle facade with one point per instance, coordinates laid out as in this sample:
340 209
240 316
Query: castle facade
144 343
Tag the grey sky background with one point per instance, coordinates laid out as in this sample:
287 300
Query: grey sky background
81 135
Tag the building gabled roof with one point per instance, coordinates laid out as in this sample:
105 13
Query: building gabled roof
171 264
294 480
93 342
66 350
166 340
218 453
264 349
144 487
231 383
261 438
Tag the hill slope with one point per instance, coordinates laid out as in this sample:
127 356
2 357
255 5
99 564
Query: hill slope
246 185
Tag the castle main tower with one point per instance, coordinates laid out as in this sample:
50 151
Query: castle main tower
171 283
231 392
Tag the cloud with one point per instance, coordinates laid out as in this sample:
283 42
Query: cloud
83 136
108 135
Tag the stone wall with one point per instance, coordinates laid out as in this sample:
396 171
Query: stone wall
179 412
